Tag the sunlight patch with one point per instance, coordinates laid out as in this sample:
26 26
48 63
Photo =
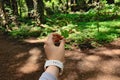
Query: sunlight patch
34 40
29 68
21 55
31 65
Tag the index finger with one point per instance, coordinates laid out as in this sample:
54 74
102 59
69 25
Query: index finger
49 39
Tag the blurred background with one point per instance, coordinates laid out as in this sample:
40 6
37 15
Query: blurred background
79 21
91 29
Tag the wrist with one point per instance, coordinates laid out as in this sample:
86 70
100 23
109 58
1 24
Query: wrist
61 60
53 70
55 63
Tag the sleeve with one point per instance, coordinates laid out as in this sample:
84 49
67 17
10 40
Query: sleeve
47 76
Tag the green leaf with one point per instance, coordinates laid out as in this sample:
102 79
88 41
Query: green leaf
64 33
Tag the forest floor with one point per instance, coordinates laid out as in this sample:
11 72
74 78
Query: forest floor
25 60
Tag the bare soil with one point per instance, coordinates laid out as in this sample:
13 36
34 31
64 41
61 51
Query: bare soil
25 60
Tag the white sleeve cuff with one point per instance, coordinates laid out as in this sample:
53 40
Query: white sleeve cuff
47 76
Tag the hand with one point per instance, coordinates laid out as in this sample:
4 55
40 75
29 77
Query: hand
54 52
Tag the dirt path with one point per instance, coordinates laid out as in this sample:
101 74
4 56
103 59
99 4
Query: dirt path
24 61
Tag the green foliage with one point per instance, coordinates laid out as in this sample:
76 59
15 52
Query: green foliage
102 12
20 33
62 19
73 31
98 25
55 6
26 31
64 33
45 31
102 37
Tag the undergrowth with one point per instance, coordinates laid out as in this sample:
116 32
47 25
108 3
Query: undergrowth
76 28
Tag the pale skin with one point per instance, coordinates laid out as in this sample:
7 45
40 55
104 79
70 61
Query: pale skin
54 53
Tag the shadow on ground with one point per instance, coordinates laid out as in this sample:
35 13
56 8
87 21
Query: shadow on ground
24 61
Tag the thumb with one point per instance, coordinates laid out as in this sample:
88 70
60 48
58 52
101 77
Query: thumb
49 40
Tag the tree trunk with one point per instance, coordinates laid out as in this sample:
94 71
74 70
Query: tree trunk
30 7
40 10
67 5
14 7
15 12
7 2
2 15
73 5
77 5
90 1
110 1
20 7
35 13
3 20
